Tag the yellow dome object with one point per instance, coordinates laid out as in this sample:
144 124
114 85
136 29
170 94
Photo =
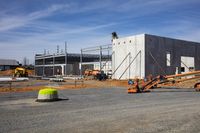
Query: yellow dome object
48 91
47 95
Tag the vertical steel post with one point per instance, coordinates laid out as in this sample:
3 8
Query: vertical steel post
140 65
34 66
107 68
81 60
65 58
100 57
43 74
53 64
129 73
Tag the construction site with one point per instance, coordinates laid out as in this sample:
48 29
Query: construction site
141 83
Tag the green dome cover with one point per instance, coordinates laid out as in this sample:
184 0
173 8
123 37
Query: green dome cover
48 91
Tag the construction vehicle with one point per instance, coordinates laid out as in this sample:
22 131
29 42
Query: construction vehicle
95 74
89 72
20 72
101 76
140 86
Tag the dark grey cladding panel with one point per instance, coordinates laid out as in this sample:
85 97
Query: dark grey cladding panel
159 46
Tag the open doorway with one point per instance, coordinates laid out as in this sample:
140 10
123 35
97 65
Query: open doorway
187 64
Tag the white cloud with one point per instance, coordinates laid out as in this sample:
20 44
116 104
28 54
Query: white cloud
35 33
47 12
32 43
8 22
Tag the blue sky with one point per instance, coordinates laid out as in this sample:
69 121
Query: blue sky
28 27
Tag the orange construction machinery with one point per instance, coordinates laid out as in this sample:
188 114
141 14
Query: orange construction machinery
139 86
89 72
95 74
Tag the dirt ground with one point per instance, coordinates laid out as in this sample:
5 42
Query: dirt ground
10 72
105 110
34 84
99 106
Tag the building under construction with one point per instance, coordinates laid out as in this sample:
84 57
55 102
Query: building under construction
73 64
128 57
143 55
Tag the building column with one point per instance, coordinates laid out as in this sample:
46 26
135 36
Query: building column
63 68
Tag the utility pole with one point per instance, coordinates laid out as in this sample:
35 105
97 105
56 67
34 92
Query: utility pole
65 58
81 60
53 64
100 57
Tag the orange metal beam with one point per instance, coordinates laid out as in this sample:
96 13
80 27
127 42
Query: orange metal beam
184 74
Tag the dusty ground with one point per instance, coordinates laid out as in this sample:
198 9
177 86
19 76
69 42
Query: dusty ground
10 72
103 111
105 108
34 84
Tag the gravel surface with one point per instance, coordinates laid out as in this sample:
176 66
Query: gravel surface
102 111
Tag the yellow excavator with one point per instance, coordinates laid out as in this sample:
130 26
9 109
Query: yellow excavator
20 72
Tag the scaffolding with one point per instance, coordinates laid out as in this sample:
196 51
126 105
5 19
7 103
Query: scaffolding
103 54
46 64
